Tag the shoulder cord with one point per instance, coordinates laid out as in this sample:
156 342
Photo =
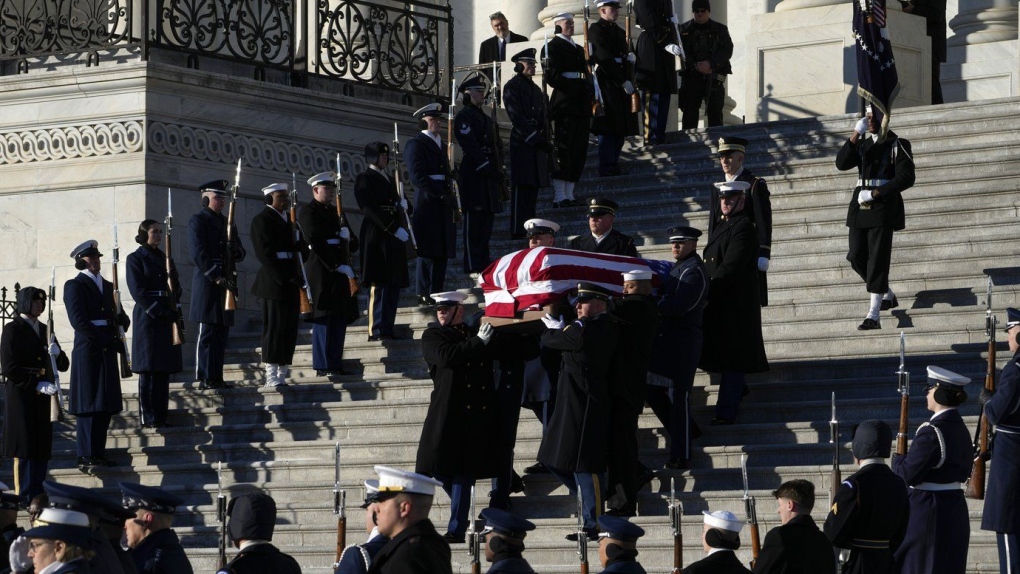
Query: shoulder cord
942 443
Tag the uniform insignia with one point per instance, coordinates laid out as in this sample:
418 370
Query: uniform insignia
465 128
834 510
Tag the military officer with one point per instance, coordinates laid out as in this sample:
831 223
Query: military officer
756 203
603 238
95 380
720 537
383 240
885 170
1003 410
402 513
251 519
797 545
935 467
566 70
708 47
657 51
479 176
357 558
96 507
154 545
277 283
64 544
677 347
30 384
609 52
869 513
530 147
618 545
329 273
434 227
207 242
504 542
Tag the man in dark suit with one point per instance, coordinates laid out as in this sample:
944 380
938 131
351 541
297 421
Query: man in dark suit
720 537
934 14
798 546
383 240
603 238
494 49
403 505
565 69
207 242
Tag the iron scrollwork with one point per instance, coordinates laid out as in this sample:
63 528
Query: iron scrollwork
44 27
258 32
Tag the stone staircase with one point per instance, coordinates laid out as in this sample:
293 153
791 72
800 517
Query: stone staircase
960 222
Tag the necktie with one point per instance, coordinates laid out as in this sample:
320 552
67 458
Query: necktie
502 50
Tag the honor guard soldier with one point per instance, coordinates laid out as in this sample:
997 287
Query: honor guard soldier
720 537
434 202
154 545
25 361
868 517
529 144
403 505
278 283
108 555
756 203
1001 512
566 70
603 238
935 468
329 273
383 240
251 519
60 544
504 542
884 170
797 545
541 232
709 48
655 71
479 175
733 343
618 546
207 242
357 558
609 52
677 348
95 380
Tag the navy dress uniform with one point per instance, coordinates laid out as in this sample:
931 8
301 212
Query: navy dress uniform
434 228
357 558
655 71
722 534
504 541
935 467
383 241
207 244
565 69
676 350
329 269
526 106
619 538
609 52
95 374
160 552
706 42
107 557
25 362
869 514
613 242
884 171
418 548
478 176
153 353
1002 498
251 519
69 527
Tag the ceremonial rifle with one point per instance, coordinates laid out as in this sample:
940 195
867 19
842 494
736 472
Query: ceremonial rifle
680 62
400 187
836 477
751 509
976 482
171 275
306 289
628 68
474 538
497 144
57 400
338 184
598 107
339 508
554 162
221 515
582 536
118 308
229 264
676 512
903 381
451 176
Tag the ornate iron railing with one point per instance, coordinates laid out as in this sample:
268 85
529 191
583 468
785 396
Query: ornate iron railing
35 28
8 307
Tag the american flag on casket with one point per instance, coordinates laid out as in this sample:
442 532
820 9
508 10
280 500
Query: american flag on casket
531 278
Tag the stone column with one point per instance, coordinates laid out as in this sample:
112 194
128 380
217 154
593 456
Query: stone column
983 57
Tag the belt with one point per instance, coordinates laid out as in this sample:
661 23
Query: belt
99 322
870 544
936 487
332 242
574 75
871 182
157 293
1007 429
438 177
285 255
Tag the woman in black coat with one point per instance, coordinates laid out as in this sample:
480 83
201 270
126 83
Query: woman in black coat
154 355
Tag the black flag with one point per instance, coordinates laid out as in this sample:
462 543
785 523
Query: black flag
877 81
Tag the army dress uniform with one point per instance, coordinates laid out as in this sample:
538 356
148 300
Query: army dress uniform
160 552
610 52
566 70
655 69
613 242
526 105
709 42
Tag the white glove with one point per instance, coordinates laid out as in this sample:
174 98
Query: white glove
46 388
674 49
18 555
346 270
862 126
631 57
763 264
345 234
402 234
674 19
403 203
485 333
552 322
628 87
54 349
864 196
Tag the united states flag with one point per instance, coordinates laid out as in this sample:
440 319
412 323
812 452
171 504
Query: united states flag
877 80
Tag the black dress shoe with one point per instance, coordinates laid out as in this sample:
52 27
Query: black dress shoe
217 385
85 464
148 425
103 461
452 538
628 510
721 421
426 301
516 483
162 424
869 325
676 464
537 468
695 431
591 533
645 476
890 303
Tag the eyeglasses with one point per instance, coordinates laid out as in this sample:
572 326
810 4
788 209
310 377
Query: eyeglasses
36 545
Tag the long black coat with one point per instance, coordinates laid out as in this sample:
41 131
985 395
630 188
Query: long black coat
571 96
207 242
934 13
383 256
152 345
719 563
261 559
418 549
677 348
278 278
576 438
526 104
331 291
478 176
1002 498
890 160
161 553
797 547
639 325
870 504
25 361
615 243
609 50
732 320
710 42
655 69
434 228
758 205
462 416
95 366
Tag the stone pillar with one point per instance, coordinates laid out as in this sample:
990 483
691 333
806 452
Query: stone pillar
524 17
983 57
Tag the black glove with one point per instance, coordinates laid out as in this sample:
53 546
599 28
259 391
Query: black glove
985 396
123 320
